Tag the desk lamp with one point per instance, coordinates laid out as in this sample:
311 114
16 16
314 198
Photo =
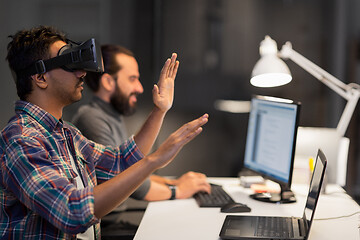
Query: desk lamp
271 71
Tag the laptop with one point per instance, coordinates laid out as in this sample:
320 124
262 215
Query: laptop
268 227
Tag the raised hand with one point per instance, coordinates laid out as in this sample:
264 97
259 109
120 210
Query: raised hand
163 91
174 143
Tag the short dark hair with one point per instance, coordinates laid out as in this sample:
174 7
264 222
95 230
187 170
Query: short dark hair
27 47
111 66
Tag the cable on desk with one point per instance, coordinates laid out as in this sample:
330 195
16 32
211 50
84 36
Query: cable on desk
344 216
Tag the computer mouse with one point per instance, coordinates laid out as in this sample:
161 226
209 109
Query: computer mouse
235 208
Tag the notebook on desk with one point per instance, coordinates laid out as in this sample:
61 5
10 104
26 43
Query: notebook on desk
265 227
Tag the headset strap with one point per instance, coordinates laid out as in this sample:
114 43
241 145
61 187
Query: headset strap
43 66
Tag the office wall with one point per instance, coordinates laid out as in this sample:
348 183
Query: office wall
217 42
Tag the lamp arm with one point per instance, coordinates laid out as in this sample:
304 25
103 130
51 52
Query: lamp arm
348 112
351 94
332 82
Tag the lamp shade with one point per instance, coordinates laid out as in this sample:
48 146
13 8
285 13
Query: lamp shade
270 70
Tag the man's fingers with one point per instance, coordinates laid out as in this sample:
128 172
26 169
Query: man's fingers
170 68
173 66
201 175
164 69
155 90
174 70
190 130
205 187
197 122
192 135
173 144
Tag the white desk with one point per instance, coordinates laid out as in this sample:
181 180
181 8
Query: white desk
183 219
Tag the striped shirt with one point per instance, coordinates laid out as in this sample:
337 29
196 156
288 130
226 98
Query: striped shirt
38 193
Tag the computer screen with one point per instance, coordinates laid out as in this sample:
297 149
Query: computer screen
270 142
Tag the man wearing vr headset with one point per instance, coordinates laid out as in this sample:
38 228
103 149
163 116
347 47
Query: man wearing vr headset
102 120
54 182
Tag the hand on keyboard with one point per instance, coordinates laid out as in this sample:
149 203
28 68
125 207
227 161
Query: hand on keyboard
217 198
190 183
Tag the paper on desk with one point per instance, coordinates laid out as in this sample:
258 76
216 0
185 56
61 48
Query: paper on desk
262 188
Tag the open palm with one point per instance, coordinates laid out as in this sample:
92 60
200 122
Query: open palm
163 91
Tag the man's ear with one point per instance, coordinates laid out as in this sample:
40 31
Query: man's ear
40 80
107 82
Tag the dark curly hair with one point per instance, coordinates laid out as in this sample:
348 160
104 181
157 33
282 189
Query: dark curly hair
27 47
111 66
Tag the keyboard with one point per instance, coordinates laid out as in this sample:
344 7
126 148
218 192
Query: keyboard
217 198
275 227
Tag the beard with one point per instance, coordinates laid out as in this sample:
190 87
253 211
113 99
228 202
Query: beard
121 103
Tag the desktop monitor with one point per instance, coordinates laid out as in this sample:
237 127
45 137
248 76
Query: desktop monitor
270 144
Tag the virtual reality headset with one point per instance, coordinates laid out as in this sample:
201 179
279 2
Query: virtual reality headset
71 57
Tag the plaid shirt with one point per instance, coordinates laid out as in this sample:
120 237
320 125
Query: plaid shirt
38 194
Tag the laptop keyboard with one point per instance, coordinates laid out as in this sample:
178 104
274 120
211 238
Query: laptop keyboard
275 227
217 198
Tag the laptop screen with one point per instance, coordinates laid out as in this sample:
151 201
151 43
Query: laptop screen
315 187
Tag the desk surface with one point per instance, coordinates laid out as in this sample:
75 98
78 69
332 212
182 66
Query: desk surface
183 219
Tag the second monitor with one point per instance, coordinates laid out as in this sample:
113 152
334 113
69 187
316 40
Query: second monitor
270 144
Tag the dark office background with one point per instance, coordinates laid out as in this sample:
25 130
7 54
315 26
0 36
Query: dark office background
218 44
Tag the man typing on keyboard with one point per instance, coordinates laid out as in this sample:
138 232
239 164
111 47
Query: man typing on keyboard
186 185
216 198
